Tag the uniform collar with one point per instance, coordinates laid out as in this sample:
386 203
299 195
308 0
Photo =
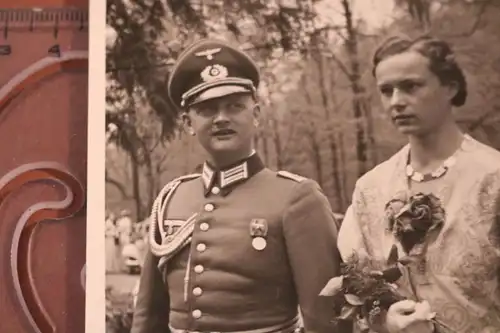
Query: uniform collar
236 173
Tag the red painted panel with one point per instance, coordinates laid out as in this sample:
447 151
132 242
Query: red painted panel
44 119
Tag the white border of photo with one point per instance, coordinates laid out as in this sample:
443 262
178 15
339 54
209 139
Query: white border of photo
95 275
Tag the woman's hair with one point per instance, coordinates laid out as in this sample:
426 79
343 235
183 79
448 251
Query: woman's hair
441 60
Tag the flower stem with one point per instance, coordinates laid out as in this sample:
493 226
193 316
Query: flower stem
440 323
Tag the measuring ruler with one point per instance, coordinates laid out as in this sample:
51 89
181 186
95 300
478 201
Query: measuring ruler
33 19
43 18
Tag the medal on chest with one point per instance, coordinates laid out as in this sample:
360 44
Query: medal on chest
258 232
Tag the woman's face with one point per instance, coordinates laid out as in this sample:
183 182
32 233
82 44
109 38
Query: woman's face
412 95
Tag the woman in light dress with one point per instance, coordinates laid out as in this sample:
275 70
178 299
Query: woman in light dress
420 82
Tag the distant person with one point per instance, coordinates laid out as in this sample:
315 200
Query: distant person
420 82
112 243
124 227
240 247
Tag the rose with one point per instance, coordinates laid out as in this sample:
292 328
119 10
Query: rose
412 221
425 211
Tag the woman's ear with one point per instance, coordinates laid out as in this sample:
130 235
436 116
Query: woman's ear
453 89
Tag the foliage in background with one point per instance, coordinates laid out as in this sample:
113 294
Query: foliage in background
119 312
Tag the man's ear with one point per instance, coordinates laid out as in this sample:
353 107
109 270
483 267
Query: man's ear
186 122
256 113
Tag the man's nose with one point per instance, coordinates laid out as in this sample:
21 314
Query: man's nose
398 100
220 115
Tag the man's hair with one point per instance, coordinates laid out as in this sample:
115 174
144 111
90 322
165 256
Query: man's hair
441 58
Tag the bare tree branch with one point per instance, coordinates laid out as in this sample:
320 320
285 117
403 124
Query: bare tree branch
475 25
119 186
479 121
341 65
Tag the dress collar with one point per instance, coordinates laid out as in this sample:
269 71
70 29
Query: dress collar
236 173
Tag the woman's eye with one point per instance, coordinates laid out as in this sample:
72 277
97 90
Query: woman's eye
409 86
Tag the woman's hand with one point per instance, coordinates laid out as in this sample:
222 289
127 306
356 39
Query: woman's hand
409 316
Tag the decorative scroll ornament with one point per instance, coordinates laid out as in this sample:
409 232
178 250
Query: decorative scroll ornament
40 69
27 295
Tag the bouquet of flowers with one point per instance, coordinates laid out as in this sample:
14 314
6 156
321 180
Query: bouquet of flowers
365 290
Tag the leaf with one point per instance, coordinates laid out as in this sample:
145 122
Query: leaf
348 311
376 274
418 250
392 274
406 260
332 287
353 299
393 256
405 209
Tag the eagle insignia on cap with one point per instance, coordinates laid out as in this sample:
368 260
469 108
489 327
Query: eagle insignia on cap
214 72
208 53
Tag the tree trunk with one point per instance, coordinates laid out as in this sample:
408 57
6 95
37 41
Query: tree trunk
150 179
277 142
136 193
316 154
317 157
357 90
330 134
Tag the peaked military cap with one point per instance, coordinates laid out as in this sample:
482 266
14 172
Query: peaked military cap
209 69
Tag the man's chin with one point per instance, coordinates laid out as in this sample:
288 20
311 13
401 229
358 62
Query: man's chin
224 145
223 148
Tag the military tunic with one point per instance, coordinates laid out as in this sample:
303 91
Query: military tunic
262 244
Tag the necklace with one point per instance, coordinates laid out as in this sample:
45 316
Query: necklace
439 172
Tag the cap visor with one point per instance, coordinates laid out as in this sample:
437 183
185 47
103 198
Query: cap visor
219 91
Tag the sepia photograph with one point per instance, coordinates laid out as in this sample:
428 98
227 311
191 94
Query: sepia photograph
302 166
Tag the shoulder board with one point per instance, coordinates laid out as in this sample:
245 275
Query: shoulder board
183 179
292 176
174 182
187 177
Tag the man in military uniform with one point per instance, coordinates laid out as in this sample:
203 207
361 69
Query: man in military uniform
237 247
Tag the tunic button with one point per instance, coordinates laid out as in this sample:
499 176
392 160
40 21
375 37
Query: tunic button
201 247
204 226
209 207
199 269
196 314
197 291
215 190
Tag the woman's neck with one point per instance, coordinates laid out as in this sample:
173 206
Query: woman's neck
430 150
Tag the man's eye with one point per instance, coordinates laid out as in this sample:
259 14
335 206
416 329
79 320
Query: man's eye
204 111
236 106
386 90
